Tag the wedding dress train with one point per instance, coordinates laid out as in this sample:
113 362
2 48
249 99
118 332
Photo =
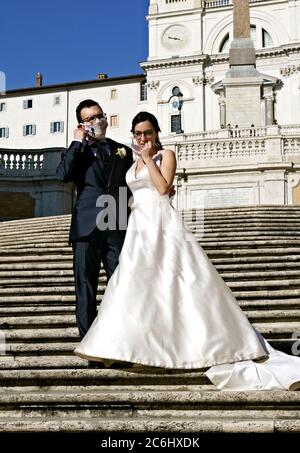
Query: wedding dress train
167 306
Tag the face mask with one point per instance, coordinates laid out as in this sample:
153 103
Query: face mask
98 129
135 147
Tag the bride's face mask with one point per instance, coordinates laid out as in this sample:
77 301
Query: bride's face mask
97 129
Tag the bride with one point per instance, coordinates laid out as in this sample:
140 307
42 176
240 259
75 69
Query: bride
166 305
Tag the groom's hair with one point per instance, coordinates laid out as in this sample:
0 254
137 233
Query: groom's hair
85 104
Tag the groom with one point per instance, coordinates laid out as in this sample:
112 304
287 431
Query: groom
97 166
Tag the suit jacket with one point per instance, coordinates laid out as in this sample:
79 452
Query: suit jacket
93 176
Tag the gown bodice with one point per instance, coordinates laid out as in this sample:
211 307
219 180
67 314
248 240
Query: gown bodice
142 187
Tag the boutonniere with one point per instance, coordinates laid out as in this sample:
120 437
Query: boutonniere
121 152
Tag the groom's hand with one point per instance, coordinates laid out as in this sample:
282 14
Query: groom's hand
80 133
172 191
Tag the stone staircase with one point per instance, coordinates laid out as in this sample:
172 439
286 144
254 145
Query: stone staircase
45 388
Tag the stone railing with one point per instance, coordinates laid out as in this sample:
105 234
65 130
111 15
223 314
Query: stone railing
227 132
29 163
219 3
221 149
239 143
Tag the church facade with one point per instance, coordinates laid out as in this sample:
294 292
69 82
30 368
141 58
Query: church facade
223 160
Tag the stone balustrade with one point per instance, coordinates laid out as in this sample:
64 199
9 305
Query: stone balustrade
238 143
220 3
28 163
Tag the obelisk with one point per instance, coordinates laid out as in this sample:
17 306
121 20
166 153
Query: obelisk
242 51
241 88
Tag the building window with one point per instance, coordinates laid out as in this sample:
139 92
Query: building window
266 39
114 121
224 47
56 126
56 100
29 129
113 94
2 106
260 37
27 104
4 132
143 91
176 123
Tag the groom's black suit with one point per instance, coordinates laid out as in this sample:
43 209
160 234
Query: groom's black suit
96 169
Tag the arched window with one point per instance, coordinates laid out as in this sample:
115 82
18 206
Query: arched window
266 39
260 41
224 47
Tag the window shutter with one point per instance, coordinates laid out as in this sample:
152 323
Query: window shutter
6 132
61 126
25 104
51 128
33 129
24 130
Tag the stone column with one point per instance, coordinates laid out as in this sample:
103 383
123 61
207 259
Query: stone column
269 109
222 104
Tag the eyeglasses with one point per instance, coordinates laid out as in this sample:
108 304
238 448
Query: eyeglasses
93 118
138 134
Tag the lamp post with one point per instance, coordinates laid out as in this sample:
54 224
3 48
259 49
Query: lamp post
175 104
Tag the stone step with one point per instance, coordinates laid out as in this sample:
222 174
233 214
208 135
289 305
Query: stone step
235 233
141 397
170 423
268 304
197 402
251 252
34 361
34 321
245 279
36 249
65 261
42 290
44 268
271 330
289 293
246 296
37 278
38 349
276 211
21 310
35 258
20 349
291 284
86 377
248 306
62 246
68 320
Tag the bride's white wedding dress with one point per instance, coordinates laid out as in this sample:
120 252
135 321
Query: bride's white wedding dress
167 306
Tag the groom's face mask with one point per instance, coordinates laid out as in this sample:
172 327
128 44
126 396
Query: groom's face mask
97 129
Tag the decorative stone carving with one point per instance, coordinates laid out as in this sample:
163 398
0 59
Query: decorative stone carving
153 85
203 80
290 70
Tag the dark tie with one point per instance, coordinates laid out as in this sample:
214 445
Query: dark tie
104 150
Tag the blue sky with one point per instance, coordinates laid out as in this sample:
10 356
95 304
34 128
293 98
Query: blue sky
71 40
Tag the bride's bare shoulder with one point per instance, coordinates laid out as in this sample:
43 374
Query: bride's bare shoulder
168 153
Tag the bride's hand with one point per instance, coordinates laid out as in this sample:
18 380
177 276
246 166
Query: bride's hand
147 151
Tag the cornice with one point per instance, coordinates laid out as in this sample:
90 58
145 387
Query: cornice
284 50
174 62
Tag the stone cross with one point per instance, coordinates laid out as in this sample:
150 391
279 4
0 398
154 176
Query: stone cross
241 19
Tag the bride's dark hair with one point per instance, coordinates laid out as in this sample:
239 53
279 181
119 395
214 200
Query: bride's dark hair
146 116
